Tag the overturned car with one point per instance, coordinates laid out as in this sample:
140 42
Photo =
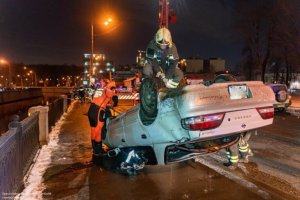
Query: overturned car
186 122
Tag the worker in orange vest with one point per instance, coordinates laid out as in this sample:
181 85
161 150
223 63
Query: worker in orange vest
96 115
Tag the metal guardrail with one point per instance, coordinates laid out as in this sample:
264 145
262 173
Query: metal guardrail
18 146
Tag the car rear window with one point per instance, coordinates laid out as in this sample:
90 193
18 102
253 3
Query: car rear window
277 88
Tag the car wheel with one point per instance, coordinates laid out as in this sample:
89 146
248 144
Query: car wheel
281 96
148 100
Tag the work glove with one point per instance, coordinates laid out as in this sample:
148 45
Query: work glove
161 75
168 82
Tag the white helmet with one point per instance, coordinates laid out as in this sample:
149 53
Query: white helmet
163 37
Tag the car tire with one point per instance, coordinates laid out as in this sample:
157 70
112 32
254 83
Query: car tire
148 100
281 96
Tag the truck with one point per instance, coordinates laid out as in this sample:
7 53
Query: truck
181 124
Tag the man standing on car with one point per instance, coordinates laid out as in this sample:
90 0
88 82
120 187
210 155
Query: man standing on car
162 59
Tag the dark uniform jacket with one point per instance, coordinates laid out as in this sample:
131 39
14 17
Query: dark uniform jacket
162 59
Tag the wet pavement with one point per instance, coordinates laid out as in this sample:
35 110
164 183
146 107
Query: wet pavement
63 169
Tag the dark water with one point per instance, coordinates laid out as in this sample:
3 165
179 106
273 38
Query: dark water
23 113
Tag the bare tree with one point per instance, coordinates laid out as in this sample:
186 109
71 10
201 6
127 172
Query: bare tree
253 24
286 42
270 33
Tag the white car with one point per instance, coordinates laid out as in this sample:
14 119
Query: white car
201 120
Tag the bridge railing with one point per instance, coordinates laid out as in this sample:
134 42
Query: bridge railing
19 145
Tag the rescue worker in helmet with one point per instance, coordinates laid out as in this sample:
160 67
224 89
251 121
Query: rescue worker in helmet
162 58
97 115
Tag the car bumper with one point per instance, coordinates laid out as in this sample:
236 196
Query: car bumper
282 105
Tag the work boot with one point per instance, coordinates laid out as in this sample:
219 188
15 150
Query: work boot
250 153
244 160
230 165
93 144
97 149
97 152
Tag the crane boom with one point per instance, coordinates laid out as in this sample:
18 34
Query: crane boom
164 13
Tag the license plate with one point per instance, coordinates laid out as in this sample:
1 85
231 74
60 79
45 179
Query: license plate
239 92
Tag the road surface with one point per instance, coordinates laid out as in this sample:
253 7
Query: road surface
63 169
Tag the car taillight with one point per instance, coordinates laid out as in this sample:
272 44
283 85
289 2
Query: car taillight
203 122
266 112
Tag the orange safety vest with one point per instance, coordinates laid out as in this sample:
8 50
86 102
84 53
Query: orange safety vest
104 99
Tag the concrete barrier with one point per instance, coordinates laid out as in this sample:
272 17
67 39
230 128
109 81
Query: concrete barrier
65 102
43 122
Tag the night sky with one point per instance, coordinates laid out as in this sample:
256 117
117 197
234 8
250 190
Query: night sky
58 31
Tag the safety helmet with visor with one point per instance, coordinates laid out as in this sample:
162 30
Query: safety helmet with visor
163 37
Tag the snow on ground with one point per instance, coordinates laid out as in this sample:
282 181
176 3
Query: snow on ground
294 111
34 178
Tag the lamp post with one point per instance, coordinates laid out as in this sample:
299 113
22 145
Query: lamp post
106 23
21 79
4 62
92 47
33 77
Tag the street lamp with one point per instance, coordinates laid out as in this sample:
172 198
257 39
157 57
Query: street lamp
106 23
4 62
